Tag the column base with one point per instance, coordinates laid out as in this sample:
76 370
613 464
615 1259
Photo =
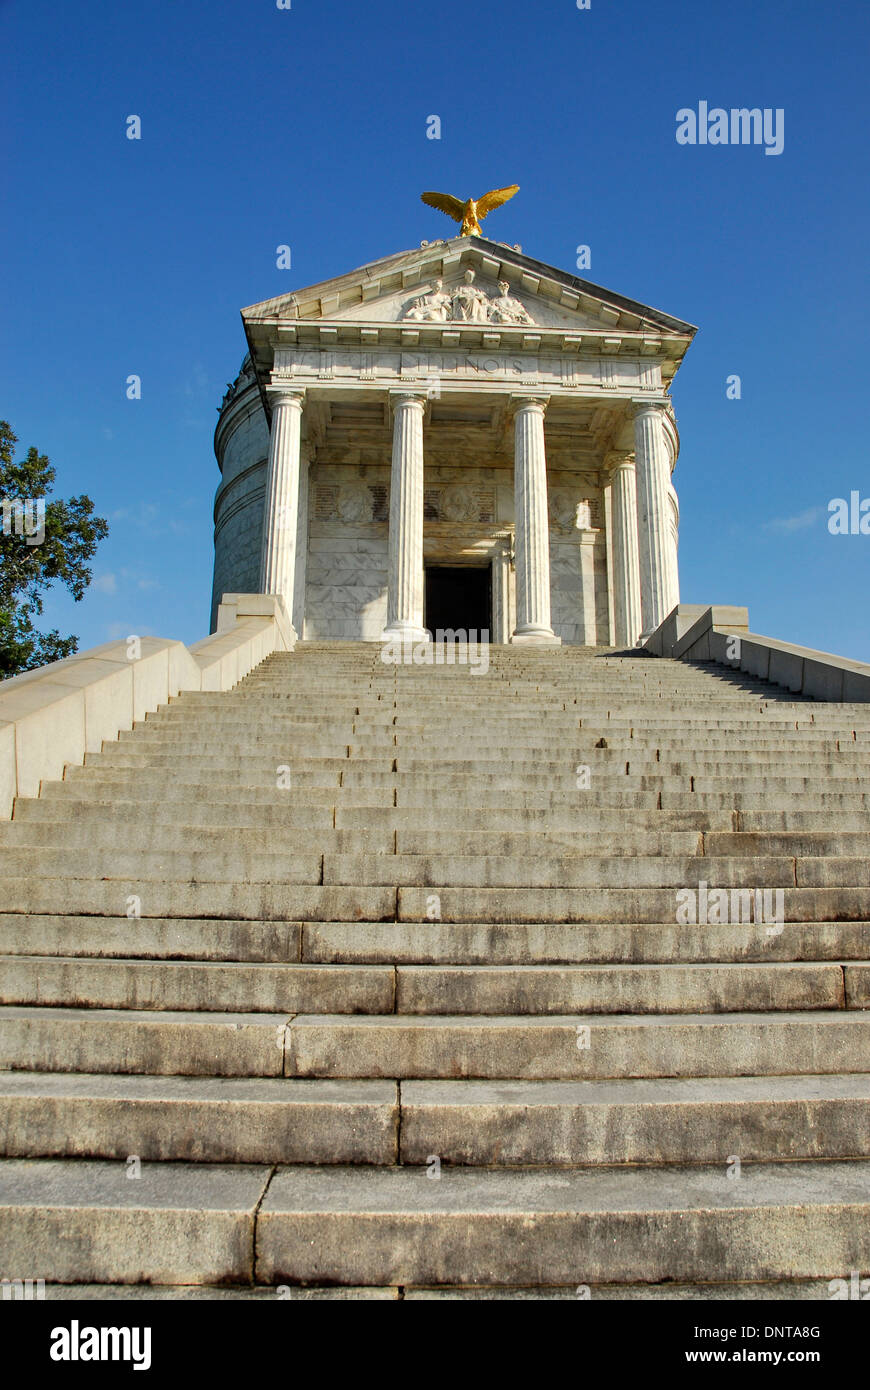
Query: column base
405 632
536 637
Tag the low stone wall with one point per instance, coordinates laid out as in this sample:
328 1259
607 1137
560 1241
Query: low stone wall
54 715
695 632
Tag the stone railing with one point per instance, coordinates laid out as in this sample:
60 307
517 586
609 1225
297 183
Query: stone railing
696 632
57 714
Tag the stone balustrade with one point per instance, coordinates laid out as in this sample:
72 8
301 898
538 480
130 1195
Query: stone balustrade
55 715
698 632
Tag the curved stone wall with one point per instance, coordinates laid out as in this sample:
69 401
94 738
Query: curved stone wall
241 446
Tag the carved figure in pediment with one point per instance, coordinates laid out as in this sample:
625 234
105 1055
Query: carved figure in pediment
431 308
470 305
506 309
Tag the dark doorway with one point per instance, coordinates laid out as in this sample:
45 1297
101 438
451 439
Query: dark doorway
458 598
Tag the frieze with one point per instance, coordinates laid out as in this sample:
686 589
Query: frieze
470 365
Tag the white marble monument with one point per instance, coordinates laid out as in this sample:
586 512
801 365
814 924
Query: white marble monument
454 408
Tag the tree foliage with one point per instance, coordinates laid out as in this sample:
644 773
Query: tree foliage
72 534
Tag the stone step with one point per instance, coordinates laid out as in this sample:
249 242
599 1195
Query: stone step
485 744
581 871
275 817
109 834
283 844
356 778
525 1227
458 943
178 938
86 1221
356 766
565 1123
165 898
225 865
160 938
491 726
212 815
248 1120
579 1047
217 986
250 987
270 901
322 706
622 989
144 788
196 1293
629 905
198 1119
163 1043
251 1120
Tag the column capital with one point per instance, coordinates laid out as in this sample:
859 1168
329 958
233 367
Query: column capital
404 397
286 395
649 405
619 458
523 400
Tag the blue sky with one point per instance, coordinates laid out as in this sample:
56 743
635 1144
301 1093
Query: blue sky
307 126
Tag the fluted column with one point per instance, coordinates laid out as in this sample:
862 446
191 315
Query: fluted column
501 575
532 524
281 520
653 477
626 557
405 583
674 537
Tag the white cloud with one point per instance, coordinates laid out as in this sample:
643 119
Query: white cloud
105 584
787 524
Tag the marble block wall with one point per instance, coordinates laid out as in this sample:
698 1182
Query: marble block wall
348 532
578 559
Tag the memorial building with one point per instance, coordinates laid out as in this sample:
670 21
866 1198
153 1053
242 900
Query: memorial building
454 437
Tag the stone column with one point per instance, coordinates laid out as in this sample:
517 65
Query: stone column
532 524
588 605
674 537
405 583
626 558
653 476
281 520
501 581
305 461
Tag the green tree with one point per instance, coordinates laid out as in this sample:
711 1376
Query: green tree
27 569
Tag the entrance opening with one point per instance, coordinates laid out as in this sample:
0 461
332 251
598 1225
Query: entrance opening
459 598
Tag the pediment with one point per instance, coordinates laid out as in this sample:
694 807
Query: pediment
482 283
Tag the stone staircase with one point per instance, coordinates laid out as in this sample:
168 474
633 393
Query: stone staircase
369 979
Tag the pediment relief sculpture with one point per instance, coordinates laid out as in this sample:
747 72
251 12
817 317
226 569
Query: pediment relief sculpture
467 304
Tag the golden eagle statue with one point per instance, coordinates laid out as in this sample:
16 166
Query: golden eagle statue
470 213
